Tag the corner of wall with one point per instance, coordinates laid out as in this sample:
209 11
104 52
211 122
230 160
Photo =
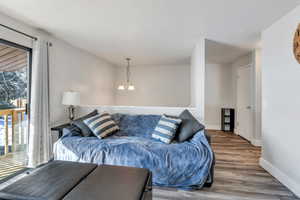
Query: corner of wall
282 177
256 142
198 77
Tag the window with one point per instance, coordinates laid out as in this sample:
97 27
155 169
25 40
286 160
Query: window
15 66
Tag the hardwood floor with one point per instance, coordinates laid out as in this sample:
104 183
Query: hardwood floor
238 175
10 165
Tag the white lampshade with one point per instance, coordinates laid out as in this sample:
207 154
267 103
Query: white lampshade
71 98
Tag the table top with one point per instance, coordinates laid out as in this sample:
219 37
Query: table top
113 183
50 182
77 181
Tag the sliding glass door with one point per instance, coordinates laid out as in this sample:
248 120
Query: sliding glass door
15 62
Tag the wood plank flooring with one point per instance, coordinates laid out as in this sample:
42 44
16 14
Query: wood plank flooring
238 175
9 165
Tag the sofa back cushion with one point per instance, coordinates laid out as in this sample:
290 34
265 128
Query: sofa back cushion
136 125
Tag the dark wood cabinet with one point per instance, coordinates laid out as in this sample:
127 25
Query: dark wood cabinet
227 119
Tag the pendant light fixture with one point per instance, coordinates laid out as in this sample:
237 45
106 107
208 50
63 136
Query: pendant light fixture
128 85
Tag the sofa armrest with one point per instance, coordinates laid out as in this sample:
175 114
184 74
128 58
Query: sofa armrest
207 136
210 179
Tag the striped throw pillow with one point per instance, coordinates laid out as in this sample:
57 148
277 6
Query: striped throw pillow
101 125
166 128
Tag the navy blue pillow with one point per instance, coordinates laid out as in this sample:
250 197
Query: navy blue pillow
71 131
189 126
85 130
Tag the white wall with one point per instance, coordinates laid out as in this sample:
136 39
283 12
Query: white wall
257 97
13 36
167 85
281 102
74 69
221 91
70 68
252 59
135 110
240 62
198 78
218 93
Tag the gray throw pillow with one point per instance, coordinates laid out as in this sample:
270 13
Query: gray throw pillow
189 126
71 131
85 130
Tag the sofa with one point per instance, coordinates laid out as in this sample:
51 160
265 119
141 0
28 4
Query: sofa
185 165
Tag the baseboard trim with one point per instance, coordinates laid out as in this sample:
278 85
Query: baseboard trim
254 142
280 176
257 143
213 127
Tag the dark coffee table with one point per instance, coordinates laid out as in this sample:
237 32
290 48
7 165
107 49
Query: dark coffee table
77 181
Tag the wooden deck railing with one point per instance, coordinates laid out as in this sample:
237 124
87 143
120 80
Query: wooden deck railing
14 113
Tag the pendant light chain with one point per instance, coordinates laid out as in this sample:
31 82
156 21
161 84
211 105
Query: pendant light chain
128 85
128 71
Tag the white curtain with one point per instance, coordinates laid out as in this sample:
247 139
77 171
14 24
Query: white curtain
40 144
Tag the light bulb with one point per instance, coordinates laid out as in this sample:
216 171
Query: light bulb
121 87
131 87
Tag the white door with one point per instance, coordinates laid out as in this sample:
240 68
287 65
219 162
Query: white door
244 110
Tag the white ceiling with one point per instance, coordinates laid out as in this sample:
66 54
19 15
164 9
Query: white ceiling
149 31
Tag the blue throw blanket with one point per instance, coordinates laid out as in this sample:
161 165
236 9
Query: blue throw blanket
182 165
